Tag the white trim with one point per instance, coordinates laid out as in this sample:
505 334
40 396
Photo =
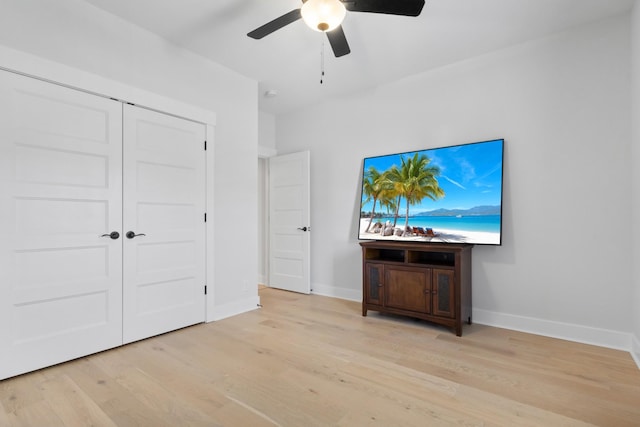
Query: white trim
336 292
237 307
635 349
54 72
209 226
265 152
566 331
263 217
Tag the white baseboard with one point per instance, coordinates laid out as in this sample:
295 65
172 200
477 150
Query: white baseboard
336 292
635 349
220 312
566 331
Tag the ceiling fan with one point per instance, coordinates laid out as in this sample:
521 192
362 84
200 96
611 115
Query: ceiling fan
327 15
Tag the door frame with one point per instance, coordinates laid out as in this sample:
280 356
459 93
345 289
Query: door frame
263 220
52 72
263 224
303 228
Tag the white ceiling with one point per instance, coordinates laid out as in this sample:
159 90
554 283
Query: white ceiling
383 47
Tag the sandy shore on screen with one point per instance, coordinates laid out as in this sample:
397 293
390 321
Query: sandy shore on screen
442 235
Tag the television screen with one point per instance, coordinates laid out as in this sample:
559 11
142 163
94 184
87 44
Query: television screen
439 195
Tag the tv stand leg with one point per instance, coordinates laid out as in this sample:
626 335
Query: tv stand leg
458 329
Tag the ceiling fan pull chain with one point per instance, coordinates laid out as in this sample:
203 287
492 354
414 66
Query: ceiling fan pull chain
322 61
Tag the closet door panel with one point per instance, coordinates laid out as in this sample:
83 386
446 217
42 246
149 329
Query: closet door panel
164 199
60 191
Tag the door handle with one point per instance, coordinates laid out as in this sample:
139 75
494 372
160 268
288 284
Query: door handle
132 234
114 235
304 228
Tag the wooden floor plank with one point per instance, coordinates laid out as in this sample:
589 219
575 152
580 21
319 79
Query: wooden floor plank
306 360
71 405
38 413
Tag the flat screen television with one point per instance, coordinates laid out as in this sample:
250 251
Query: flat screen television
438 195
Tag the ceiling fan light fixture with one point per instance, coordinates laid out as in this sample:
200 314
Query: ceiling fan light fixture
323 15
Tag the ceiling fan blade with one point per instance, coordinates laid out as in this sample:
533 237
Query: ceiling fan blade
276 24
390 7
338 42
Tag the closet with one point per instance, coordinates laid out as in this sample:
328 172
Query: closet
102 223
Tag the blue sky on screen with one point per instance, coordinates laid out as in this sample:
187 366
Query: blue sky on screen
470 175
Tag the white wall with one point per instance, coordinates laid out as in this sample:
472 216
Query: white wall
562 105
635 161
267 134
76 34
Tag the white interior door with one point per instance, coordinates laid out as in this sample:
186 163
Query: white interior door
164 207
289 222
60 190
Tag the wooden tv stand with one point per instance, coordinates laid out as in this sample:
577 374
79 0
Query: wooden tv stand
422 280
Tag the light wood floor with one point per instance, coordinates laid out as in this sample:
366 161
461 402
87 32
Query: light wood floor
315 361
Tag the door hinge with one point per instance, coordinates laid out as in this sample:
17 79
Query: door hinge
205 146
205 289
205 217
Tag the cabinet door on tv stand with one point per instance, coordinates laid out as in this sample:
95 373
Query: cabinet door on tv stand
408 288
444 293
374 289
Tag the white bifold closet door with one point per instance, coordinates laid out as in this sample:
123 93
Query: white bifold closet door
164 199
60 190
71 282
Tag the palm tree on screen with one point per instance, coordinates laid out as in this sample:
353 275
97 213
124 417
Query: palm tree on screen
374 187
389 202
416 180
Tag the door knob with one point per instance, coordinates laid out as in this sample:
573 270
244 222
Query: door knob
304 228
132 234
114 235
